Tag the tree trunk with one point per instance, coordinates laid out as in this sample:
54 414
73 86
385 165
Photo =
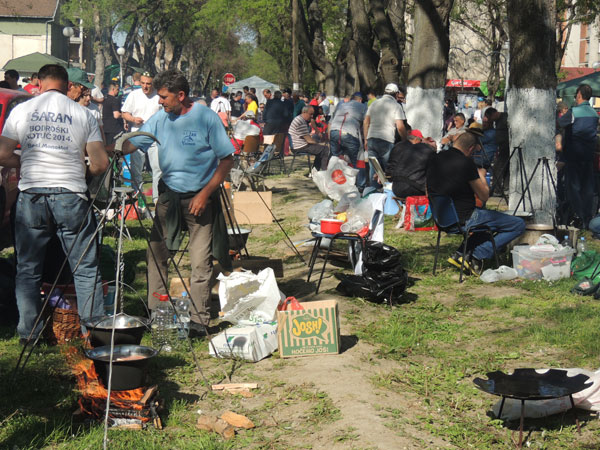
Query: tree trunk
99 60
295 62
390 65
366 58
532 99
428 66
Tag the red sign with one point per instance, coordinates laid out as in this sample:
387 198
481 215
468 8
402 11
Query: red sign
228 79
463 83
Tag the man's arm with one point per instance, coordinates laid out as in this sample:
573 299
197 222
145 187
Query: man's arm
480 187
97 156
198 203
401 129
366 124
308 138
8 158
566 119
130 118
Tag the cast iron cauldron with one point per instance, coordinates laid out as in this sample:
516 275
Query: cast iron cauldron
129 365
128 329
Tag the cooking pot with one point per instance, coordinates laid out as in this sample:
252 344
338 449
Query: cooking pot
237 240
128 329
331 226
129 365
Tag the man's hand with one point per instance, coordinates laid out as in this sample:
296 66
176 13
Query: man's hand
198 203
138 121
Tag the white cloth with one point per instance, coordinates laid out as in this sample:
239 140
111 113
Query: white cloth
97 92
245 128
325 105
141 105
220 104
383 114
53 131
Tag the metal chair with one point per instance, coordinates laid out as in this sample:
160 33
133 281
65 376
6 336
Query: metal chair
445 217
253 172
353 238
277 140
298 153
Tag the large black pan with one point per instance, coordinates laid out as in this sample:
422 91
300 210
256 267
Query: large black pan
129 365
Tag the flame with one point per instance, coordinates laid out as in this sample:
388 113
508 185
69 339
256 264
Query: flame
93 393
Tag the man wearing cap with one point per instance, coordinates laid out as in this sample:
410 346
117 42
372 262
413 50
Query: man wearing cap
77 81
344 130
407 165
139 106
55 134
111 114
382 119
453 173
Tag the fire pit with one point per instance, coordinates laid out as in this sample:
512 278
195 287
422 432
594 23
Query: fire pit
131 409
529 384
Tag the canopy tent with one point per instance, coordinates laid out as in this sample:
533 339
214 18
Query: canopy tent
28 64
566 89
253 82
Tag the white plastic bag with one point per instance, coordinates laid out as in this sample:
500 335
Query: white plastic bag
249 298
321 210
499 274
338 179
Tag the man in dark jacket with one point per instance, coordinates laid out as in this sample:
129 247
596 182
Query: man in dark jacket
580 124
275 115
407 165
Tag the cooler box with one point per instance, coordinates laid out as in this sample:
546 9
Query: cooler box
537 264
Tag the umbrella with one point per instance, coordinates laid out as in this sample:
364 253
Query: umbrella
566 89
28 64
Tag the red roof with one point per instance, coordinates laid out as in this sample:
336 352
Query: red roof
574 72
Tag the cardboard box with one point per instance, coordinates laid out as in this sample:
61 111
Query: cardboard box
315 330
250 209
250 342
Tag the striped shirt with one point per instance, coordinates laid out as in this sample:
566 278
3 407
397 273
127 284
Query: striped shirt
298 128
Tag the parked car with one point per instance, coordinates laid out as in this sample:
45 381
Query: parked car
9 98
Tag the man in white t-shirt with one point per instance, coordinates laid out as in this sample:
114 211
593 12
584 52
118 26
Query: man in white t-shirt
55 134
141 104
383 118
222 107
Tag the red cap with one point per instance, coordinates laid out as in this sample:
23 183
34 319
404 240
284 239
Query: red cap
164 298
416 133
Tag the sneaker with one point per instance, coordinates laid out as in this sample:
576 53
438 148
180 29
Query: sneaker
455 260
473 266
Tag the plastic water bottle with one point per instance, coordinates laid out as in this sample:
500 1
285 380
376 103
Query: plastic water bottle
164 327
183 312
566 242
581 246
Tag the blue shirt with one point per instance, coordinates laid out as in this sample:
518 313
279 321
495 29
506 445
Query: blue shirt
190 148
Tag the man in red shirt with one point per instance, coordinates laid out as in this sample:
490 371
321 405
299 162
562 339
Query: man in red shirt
34 85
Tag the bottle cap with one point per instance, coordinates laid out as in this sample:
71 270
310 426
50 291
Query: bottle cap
184 294
163 298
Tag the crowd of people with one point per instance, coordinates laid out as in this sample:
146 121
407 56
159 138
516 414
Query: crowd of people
194 154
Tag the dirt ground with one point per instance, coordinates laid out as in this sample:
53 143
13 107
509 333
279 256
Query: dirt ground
364 418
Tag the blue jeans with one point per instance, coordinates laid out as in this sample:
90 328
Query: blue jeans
579 182
594 227
505 226
37 219
350 146
381 150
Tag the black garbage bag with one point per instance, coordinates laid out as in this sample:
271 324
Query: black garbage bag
383 277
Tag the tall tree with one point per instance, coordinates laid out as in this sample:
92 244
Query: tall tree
532 98
428 66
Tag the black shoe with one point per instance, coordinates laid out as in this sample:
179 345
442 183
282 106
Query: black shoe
197 330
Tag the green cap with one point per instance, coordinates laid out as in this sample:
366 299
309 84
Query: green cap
79 76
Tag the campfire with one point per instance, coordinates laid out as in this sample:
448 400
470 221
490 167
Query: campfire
134 409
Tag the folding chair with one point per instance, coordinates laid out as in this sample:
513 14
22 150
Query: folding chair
300 153
353 238
445 217
277 140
